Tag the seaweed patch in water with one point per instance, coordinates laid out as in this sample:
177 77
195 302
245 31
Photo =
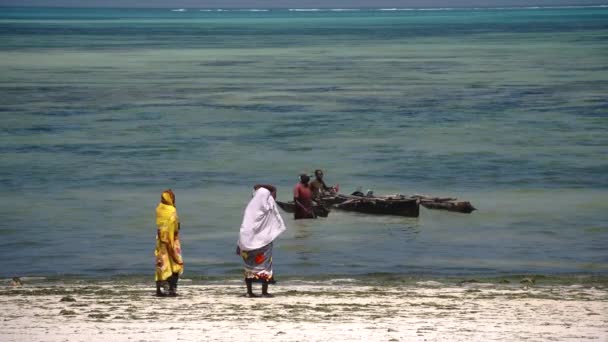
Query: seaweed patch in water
99 315
65 312
67 299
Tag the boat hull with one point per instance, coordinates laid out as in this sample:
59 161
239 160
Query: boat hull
289 207
407 207
375 206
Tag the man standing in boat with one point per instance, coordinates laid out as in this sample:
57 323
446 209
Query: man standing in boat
319 188
302 198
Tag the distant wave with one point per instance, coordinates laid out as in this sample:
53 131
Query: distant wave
559 7
489 8
421 9
394 9
235 10
305 10
535 7
324 9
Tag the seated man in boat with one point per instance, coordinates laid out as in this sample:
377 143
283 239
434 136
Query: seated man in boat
319 188
302 198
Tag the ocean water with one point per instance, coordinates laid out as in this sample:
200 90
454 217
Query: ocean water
102 109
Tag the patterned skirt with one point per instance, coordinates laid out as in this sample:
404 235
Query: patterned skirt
258 264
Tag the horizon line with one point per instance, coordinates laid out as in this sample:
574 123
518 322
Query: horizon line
596 5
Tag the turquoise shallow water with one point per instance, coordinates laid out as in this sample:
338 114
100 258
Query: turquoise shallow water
103 109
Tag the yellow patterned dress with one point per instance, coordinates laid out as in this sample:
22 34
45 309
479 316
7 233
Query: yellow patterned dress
167 238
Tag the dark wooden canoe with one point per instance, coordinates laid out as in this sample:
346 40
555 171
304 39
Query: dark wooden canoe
394 205
289 207
447 203
459 207
400 206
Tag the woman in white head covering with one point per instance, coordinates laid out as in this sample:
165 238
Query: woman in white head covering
262 224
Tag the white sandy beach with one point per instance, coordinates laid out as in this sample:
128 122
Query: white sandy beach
305 312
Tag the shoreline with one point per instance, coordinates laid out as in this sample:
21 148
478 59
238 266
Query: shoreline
597 279
426 311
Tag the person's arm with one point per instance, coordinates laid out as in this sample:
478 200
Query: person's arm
172 255
296 195
325 187
172 234
167 240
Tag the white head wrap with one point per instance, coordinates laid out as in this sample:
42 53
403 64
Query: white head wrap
262 222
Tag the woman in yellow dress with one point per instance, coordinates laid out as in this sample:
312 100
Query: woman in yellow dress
169 262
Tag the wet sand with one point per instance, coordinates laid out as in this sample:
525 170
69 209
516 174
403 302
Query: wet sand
427 311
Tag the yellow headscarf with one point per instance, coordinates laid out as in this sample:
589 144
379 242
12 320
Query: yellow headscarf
168 197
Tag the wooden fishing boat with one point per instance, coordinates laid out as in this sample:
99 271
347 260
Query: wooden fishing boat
445 203
395 205
399 206
289 207
365 205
